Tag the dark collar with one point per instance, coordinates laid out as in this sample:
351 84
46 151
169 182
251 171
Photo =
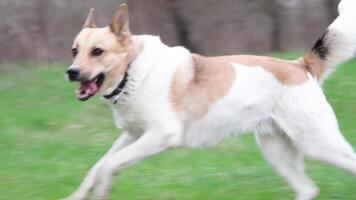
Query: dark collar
119 90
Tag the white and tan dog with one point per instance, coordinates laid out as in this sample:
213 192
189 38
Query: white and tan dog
164 97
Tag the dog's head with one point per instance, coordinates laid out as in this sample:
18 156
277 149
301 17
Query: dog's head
101 55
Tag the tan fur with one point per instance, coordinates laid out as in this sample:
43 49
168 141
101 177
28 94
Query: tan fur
210 79
314 65
285 71
204 83
90 22
119 49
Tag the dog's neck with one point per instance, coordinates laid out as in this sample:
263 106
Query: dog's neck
149 48
148 55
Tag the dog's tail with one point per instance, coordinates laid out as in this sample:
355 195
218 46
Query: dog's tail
336 45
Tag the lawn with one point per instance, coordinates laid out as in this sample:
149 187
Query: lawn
48 141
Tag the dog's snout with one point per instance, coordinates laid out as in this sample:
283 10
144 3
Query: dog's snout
73 74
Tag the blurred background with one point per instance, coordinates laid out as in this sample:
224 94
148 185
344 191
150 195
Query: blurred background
43 30
49 140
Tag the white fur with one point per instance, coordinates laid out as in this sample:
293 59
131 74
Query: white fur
289 121
241 111
347 6
341 39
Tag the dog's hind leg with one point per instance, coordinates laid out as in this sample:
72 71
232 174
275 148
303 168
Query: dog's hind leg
330 147
288 162
87 185
315 132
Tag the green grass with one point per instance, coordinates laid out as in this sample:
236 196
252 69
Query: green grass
48 141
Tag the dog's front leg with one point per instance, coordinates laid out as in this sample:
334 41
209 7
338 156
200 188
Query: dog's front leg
91 178
150 143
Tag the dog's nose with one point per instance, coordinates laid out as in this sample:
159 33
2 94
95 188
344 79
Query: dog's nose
73 74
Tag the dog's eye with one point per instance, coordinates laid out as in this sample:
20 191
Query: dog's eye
74 52
97 52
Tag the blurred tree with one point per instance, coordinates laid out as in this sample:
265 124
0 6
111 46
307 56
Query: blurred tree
333 8
273 8
155 17
43 30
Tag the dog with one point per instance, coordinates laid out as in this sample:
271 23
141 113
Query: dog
166 97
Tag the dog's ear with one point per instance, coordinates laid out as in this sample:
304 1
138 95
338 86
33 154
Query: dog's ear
90 22
120 21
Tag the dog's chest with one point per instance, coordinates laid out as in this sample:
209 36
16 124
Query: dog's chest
126 117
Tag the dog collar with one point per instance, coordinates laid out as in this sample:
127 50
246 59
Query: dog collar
119 90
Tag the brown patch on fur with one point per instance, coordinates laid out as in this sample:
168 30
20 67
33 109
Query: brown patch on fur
196 88
286 72
314 64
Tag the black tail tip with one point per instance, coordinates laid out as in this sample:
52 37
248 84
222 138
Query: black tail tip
321 47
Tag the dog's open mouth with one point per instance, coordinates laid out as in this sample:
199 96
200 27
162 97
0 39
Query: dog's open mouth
88 89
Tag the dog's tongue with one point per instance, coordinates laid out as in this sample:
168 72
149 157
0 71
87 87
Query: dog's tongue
87 90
